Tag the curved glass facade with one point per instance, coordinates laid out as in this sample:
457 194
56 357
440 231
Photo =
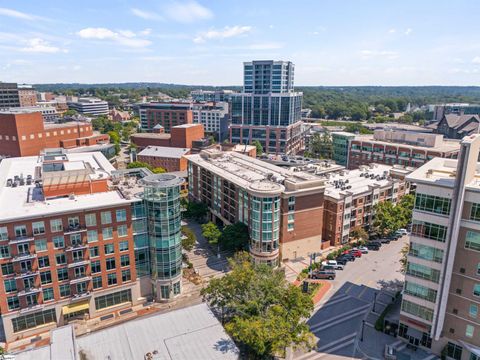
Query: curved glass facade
162 203
265 225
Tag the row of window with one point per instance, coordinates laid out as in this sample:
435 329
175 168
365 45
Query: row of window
433 204
417 310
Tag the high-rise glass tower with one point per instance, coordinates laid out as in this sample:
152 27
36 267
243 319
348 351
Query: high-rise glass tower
268 110
162 203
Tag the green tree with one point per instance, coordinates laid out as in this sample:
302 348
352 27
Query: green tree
385 220
189 240
260 309
403 258
196 211
359 233
70 112
259 147
211 232
321 145
235 237
140 164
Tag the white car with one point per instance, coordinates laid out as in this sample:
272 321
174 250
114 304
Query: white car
333 263
363 249
402 232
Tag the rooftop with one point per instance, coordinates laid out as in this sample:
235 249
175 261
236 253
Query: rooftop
438 171
355 182
254 174
163 151
28 200
151 135
445 145
65 124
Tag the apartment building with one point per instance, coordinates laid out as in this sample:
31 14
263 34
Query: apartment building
49 113
9 95
341 146
391 147
181 136
211 95
24 133
282 208
268 110
214 117
168 158
166 114
80 240
27 95
350 197
441 295
89 106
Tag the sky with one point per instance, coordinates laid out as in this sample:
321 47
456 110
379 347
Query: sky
200 42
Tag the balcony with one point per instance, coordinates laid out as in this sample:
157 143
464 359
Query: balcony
31 308
26 273
24 256
81 279
81 296
20 239
76 247
78 263
73 229
29 291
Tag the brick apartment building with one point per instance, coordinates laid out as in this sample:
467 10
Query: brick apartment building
168 158
282 208
168 115
26 134
181 136
74 240
391 147
27 95
350 196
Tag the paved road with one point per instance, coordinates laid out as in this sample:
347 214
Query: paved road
338 318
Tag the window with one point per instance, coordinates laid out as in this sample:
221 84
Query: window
77 255
58 242
97 282
20 231
75 239
472 240
108 300
164 291
7 269
92 236
93 251
420 291
454 351
96 267
469 331
38 228
47 294
90 219
43 262
475 212
473 310
23 249
111 279
426 252
429 230
124 260
107 233
56 225
122 231
13 303
62 274
110 263
10 285
434 204
176 288
423 272
46 277
109 249
476 290
41 245
121 215
64 290
126 275
123 246
4 251
73 222
33 320
3 233
79 272
61 259
106 217
417 310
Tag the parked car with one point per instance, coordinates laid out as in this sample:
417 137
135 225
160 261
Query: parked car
385 240
373 246
327 267
363 249
341 260
356 253
402 232
332 263
324 274
348 257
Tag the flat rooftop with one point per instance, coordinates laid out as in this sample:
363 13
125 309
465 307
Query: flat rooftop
250 173
446 145
164 152
356 182
438 171
152 136
27 201
65 124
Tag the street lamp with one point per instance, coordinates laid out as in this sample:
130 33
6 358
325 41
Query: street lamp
363 327
374 300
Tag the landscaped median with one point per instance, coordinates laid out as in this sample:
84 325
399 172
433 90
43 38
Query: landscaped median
316 288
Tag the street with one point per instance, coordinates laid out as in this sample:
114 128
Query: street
337 321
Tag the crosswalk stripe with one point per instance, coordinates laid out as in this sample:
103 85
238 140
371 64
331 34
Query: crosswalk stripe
334 301
351 342
342 317
321 350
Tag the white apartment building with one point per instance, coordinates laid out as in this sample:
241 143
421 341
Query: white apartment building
213 116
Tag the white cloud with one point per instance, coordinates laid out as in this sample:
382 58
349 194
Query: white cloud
18 15
147 15
392 31
368 54
408 31
123 37
38 45
476 60
188 12
226 32
146 32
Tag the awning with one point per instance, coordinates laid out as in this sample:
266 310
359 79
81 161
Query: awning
68 309
472 348
417 334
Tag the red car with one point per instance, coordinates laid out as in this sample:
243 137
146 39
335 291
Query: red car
356 253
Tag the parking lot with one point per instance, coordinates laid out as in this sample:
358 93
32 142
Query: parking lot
337 321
